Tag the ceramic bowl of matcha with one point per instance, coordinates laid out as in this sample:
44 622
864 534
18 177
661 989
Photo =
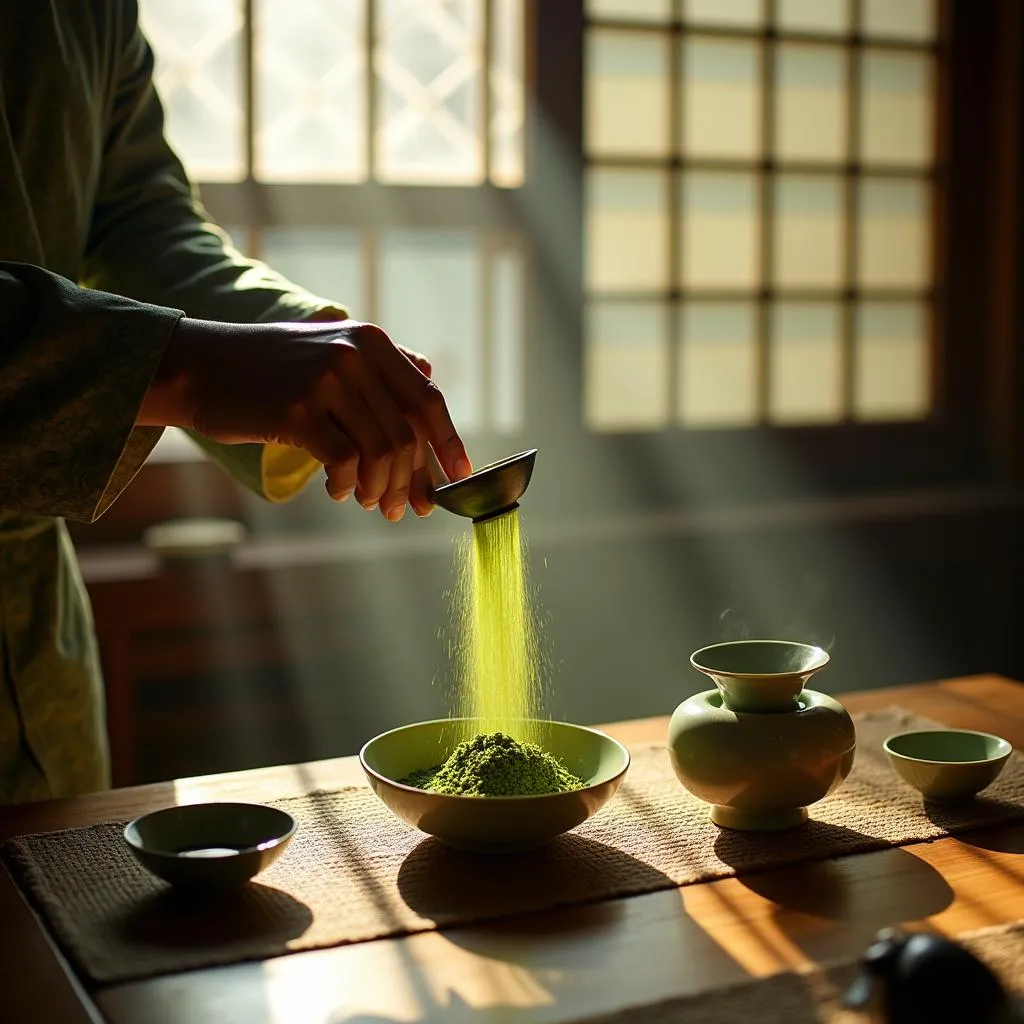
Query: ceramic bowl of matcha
945 765
210 846
492 824
761 747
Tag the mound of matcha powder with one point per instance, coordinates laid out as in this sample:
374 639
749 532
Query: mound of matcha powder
494 764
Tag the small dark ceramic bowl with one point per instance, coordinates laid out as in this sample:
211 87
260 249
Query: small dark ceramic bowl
948 764
212 846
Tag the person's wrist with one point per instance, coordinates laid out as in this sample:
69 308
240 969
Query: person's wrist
171 400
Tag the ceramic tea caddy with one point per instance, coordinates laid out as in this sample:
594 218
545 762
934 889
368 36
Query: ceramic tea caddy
761 747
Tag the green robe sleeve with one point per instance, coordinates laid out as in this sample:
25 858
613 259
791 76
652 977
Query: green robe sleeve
152 239
74 368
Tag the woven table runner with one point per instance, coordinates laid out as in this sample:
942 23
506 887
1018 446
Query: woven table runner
355 872
815 996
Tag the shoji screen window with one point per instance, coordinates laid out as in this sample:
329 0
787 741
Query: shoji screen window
760 186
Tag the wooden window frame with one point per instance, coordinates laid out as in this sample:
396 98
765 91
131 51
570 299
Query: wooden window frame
970 440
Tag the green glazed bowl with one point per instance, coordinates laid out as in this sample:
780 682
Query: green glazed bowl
948 764
212 846
497 824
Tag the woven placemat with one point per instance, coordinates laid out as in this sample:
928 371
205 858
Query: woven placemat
814 996
354 872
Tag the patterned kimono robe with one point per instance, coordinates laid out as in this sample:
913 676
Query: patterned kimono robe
103 246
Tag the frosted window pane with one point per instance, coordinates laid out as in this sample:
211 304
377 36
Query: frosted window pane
831 17
627 230
430 301
427 63
808 237
721 98
899 19
626 366
896 108
310 87
198 74
506 406
328 263
891 362
810 83
506 73
720 230
627 93
805 364
894 234
741 13
631 10
718 368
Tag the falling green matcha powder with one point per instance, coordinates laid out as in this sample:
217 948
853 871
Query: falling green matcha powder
494 764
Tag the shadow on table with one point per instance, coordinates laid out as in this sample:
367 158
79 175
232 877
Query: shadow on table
1001 835
574 927
445 885
173 919
862 893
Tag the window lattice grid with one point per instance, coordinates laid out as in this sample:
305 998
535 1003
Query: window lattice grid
426 92
789 160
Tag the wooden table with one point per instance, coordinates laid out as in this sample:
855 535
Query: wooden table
556 965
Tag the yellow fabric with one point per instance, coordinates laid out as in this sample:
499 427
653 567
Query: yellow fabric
285 471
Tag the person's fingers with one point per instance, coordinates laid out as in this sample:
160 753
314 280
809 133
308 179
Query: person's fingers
342 477
421 484
322 437
400 435
420 399
349 410
418 359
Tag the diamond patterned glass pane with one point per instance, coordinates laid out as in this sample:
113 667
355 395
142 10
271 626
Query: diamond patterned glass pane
721 98
429 288
506 75
506 406
627 230
627 93
894 234
805 369
897 108
626 366
891 362
810 84
311 97
718 369
631 10
198 74
328 262
740 13
427 62
808 236
899 19
827 17
720 230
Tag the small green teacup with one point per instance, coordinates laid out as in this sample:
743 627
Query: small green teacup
948 764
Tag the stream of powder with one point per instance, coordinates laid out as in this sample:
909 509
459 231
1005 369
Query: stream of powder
499 678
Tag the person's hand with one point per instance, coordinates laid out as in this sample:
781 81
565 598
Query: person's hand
419 489
342 391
